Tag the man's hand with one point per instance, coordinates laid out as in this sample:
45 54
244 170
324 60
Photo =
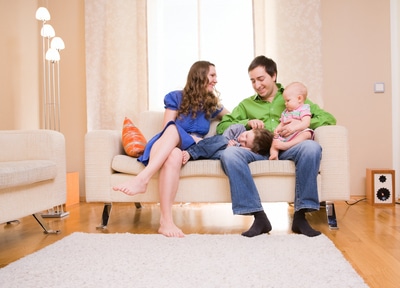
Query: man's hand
255 123
290 127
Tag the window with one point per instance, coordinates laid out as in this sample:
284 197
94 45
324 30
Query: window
181 32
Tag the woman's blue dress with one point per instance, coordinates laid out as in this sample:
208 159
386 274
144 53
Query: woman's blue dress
186 125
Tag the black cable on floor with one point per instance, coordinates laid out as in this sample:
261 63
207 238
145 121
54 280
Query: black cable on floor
355 202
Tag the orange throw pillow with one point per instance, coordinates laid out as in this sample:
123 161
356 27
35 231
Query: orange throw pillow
132 139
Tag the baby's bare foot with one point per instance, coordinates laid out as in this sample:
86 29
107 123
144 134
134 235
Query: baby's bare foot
274 156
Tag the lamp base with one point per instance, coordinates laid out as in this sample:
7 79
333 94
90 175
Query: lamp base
55 215
56 212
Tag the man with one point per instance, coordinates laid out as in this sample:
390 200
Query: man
263 110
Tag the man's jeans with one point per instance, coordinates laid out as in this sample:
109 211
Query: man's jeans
245 198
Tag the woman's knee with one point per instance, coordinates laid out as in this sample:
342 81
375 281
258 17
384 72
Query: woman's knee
174 160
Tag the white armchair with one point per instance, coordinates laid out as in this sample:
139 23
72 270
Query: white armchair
32 173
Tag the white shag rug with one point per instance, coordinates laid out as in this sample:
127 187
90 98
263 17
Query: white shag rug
148 260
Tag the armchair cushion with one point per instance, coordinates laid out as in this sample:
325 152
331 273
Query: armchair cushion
18 173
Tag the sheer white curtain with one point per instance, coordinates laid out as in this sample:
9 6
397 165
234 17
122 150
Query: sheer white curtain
181 32
116 61
124 38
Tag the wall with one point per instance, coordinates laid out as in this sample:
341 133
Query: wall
19 84
20 71
395 66
355 54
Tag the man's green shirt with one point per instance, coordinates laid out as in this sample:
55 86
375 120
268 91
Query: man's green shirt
270 112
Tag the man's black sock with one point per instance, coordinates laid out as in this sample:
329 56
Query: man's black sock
260 225
301 226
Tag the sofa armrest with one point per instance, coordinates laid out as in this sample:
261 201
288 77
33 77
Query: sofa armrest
334 169
100 148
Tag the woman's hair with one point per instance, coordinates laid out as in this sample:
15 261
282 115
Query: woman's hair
196 97
262 141
268 64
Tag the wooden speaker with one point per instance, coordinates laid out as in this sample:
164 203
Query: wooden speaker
380 187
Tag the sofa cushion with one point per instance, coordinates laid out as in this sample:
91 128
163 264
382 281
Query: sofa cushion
126 164
16 173
211 168
133 140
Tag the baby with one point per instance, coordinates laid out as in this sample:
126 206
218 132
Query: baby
295 94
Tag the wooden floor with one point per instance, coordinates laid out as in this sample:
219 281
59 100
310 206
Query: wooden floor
369 237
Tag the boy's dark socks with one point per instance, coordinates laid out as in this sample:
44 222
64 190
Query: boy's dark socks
260 225
301 226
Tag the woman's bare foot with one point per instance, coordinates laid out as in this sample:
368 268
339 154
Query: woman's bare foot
131 187
170 230
185 157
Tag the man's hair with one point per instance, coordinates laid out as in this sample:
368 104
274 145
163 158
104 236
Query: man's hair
268 64
262 141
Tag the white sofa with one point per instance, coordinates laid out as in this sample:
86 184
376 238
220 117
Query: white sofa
32 174
106 165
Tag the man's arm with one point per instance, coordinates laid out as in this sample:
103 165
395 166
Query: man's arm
237 116
320 117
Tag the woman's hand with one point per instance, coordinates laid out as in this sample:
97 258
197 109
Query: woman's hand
196 139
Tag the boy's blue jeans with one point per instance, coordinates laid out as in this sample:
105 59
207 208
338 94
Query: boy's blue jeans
208 147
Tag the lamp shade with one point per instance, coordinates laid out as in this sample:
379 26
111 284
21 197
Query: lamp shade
57 43
47 31
52 55
42 14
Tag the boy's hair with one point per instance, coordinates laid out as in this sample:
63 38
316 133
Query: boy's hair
262 141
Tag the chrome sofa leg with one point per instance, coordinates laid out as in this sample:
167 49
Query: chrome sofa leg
41 222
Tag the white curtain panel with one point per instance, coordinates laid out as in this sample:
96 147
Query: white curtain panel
116 62
290 32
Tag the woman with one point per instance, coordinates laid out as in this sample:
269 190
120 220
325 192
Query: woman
187 119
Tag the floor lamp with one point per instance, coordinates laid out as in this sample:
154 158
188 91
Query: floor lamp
51 84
